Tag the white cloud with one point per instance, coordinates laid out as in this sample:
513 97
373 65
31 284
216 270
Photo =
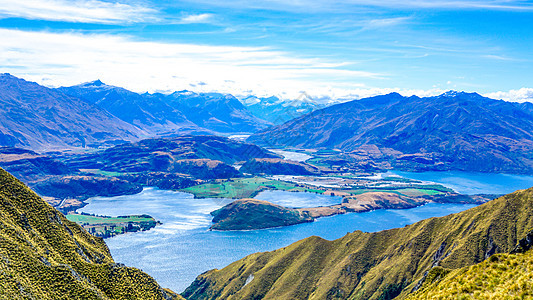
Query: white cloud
386 22
520 95
79 11
341 5
56 59
200 18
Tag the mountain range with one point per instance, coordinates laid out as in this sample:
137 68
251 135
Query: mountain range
94 114
278 111
38 117
150 113
456 130
215 111
182 111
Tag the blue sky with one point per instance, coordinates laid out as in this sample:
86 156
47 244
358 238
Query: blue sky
329 49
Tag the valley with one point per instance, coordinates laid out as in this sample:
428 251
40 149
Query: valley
200 183
266 150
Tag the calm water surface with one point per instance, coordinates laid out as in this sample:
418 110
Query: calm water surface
473 183
298 200
183 247
291 155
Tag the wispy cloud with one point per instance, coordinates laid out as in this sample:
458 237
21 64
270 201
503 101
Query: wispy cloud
498 57
78 11
200 18
66 59
520 95
386 22
451 4
340 5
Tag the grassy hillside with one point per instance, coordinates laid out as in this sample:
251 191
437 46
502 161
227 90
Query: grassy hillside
502 276
379 265
45 256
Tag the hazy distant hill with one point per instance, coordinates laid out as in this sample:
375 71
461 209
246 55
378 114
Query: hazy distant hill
462 131
215 111
278 111
37 117
386 264
145 111
183 111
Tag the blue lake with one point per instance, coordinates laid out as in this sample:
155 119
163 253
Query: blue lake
182 248
473 183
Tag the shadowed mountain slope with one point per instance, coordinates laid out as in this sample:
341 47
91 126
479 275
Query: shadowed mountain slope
145 111
460 131
178 112
37 117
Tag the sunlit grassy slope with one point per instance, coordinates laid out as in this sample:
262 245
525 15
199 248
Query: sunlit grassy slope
45 256
502 276
380 265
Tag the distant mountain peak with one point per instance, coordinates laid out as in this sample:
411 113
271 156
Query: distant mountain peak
451 94
8 76
183 93
455 94
95 83
98 82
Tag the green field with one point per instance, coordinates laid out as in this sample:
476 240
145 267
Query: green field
239 188
105 227
317 161
409 192
102 172
92 220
